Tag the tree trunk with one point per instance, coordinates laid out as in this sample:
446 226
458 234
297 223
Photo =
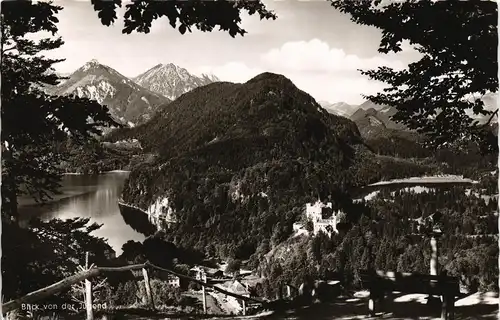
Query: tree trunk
88 292
434 257
88 300
149 294
434 268
204 300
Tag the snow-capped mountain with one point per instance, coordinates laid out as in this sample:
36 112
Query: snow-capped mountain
339 108
127 101
172 81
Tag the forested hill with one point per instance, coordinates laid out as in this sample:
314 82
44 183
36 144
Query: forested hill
266 106
238 162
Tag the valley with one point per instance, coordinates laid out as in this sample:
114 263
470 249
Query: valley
201 183
240 192
178 160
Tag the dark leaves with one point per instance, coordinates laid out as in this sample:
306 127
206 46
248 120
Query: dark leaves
203 15
182 28
458 42
106 10
33 122
21 17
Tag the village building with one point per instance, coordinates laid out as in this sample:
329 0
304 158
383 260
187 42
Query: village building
199 273
173 281
237 287
215 273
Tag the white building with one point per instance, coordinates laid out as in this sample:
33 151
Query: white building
297 226
316 211
174 281
200 273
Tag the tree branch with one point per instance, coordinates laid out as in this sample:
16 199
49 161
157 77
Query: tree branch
100 284
77 300
491 118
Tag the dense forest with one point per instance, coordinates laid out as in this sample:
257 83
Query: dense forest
250 156
96 156
465 159
386 237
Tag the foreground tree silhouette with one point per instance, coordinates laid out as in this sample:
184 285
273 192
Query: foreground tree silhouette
202 15
32 125
458 43
33 121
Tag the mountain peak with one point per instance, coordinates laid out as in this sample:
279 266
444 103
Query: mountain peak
269 76
164 66
91 65
171 80
127 101
263 108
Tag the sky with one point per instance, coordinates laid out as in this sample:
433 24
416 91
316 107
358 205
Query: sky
310 42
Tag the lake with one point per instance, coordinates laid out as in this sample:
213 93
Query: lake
88 196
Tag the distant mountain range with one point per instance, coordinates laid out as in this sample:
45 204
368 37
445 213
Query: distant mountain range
339 108
172 81
344 109
374 120
127 101
134 101
130 101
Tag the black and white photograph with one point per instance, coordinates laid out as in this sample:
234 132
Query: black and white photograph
249 159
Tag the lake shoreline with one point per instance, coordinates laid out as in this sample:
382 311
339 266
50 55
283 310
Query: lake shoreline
93 197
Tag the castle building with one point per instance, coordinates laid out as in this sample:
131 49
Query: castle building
322 217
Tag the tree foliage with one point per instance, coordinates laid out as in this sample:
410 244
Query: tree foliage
33 125
33 121
233 265
45 253
437 94
202 15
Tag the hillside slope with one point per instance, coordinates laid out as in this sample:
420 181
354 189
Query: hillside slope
237 162
376 122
